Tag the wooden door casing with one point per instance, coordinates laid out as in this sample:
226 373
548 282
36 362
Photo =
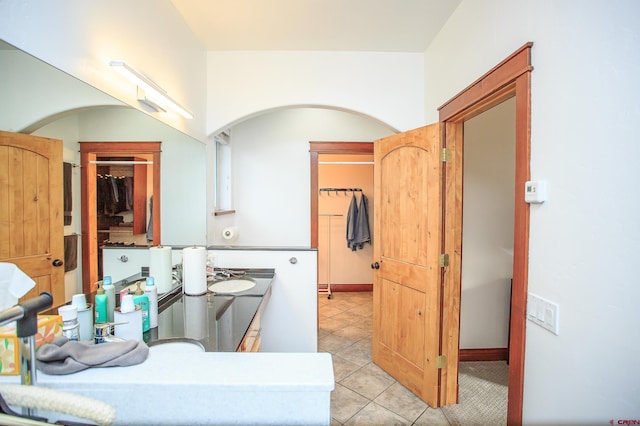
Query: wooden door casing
407 235
31 215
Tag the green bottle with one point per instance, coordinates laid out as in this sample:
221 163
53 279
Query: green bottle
139 298
101 305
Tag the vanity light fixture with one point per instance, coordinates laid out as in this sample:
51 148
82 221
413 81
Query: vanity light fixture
148 91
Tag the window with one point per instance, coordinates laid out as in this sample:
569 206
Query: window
223 201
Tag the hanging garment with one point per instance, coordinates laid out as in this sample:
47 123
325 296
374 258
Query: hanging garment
70 252
67 192
362 234
352 222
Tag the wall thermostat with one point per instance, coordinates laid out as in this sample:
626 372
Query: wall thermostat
535 191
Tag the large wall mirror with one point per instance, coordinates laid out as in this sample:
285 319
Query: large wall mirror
95 128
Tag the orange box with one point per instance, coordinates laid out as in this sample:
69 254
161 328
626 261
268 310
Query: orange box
49 327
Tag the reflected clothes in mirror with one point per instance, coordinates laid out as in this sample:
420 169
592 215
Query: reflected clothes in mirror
115 194
150 226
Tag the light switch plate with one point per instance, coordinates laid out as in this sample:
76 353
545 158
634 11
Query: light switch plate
544 313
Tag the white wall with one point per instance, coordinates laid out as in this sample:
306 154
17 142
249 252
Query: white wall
385 86
81 38
584 240
487 227
33 91
271 175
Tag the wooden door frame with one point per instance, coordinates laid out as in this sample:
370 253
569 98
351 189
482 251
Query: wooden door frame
510 78
88 152
317 148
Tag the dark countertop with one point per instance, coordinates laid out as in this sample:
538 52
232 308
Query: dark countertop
218 321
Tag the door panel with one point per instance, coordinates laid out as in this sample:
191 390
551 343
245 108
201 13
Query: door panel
31 217
407 244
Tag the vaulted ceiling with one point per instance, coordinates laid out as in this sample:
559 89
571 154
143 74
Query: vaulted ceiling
332 25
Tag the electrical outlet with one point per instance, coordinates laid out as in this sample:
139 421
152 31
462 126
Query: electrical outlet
544 313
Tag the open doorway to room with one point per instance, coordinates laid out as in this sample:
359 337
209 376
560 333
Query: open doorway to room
345 197
102 171
487 236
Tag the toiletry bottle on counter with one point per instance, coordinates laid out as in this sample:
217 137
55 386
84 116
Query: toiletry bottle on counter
110 291
85 315
139 298
128 319
70 326
152 293
101 305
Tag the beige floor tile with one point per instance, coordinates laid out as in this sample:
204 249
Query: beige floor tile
357 354
332 325
342 368
345 403
401 401
368 382
432 417
375 415
352 332
333 343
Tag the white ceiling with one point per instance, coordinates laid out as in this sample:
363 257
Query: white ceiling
335 25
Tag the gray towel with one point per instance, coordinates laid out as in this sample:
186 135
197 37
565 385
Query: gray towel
63 356
352 222
362 234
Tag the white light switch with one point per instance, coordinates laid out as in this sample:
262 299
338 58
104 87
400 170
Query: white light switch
544 313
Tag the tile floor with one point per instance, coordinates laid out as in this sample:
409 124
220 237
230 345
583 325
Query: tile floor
364 393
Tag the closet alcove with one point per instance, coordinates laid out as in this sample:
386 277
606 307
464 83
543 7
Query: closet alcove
341 177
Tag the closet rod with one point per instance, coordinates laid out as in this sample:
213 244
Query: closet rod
340 189
347 162
119 162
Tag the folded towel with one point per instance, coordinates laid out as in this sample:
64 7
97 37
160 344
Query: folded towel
67 191
63 356
70 252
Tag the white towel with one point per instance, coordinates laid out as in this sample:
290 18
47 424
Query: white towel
13 284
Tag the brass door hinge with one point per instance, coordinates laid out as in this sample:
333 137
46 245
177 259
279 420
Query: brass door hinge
443 260
445 155
441 361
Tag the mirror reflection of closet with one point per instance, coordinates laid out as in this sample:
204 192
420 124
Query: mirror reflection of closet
124 193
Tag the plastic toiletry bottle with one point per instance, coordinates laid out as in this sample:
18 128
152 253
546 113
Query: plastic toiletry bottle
151 291
110 291
70 325
128 319
101 305
139 298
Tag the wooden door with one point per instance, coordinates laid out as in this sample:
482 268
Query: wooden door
407 293
31 215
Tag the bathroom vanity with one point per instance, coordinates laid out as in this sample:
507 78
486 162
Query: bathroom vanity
218 386
226 321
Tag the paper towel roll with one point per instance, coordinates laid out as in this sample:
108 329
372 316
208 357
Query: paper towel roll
196 317
194 270
230 233
160 267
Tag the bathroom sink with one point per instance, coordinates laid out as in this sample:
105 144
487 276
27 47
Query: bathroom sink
233 285
178 344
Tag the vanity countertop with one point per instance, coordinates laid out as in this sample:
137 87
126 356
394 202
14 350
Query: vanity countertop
218 321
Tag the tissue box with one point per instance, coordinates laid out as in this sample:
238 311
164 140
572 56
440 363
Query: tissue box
49 327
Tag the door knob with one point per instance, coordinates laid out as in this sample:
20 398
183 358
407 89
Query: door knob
375 265
57 263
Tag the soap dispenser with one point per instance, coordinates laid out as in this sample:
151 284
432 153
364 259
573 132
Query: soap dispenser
110 291
139 298
101 305
152 293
